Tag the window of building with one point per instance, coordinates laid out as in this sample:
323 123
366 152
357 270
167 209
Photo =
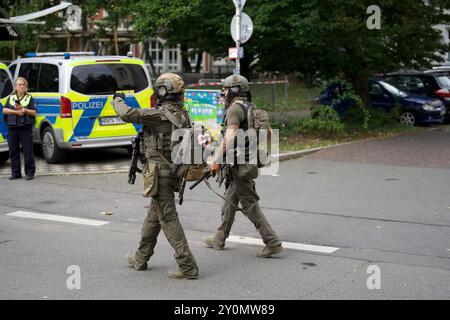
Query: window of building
173 59
156 52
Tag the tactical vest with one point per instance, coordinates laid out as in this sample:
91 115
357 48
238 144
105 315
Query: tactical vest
14 121
255 119
157 138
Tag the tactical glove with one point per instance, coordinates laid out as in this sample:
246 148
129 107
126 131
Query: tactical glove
119 95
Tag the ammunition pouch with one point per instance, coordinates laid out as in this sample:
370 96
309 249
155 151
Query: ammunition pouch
150 175
191 172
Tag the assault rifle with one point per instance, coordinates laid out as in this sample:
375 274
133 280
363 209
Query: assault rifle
206 175
136 142
222 175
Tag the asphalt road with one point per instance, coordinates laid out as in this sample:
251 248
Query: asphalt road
379 212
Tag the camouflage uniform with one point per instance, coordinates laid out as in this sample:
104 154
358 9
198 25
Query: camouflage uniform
160 181
242 190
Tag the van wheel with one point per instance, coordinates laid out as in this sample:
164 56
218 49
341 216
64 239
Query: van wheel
4 156
407 118
50 150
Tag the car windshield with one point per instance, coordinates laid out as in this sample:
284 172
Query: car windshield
392 90
108 78
444 81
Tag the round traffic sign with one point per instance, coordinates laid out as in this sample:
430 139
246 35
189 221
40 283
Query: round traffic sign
246 28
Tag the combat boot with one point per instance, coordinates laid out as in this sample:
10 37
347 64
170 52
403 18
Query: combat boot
267 252
180 275
211 243
132 262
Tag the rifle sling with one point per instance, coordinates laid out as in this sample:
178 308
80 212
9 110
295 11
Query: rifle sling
235 176
172 167
171 117
225 199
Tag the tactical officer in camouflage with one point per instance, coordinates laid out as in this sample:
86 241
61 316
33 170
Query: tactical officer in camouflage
160 179
241 186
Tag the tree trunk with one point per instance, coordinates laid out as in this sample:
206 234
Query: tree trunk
186 65
68 41
361 84
198 66
358 76
116 41
245 65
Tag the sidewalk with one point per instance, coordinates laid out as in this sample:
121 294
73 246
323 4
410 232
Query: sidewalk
117 160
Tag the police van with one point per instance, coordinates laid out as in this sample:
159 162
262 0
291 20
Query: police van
72 92
6 89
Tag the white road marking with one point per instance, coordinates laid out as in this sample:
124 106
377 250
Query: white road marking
54 217
287 245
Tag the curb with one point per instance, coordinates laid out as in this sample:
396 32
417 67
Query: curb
281 157
297 154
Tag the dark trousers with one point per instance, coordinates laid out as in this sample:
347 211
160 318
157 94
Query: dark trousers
241 190
162 214
24 136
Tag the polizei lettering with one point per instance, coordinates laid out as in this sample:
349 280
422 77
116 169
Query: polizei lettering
87 105
187 310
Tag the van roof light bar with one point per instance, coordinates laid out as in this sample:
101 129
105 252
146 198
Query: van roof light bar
66 55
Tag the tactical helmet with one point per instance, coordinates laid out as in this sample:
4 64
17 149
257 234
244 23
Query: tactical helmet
169 83
236 81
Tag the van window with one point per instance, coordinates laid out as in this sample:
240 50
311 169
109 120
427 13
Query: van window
5 84
48 78
12 69
30 71
108 78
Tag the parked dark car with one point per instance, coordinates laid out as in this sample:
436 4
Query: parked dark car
414 109
433 83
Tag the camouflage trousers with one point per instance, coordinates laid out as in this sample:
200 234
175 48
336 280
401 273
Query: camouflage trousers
162 214
242 190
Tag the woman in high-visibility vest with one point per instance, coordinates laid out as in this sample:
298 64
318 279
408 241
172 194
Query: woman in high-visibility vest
20 116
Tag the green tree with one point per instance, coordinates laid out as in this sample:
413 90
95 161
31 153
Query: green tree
334 39
28 33
172 21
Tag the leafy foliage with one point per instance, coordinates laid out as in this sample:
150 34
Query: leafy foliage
324 120
358 113
325 38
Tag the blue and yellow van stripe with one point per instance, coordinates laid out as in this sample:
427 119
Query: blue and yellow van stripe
48 108
86 112
3 127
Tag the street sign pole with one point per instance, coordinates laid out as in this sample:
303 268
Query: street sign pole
238 35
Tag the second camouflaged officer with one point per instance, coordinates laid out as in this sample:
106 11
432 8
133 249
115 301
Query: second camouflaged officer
160 181
241 185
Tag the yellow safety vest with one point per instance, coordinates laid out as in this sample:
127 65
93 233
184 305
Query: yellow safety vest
24 102
13 120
